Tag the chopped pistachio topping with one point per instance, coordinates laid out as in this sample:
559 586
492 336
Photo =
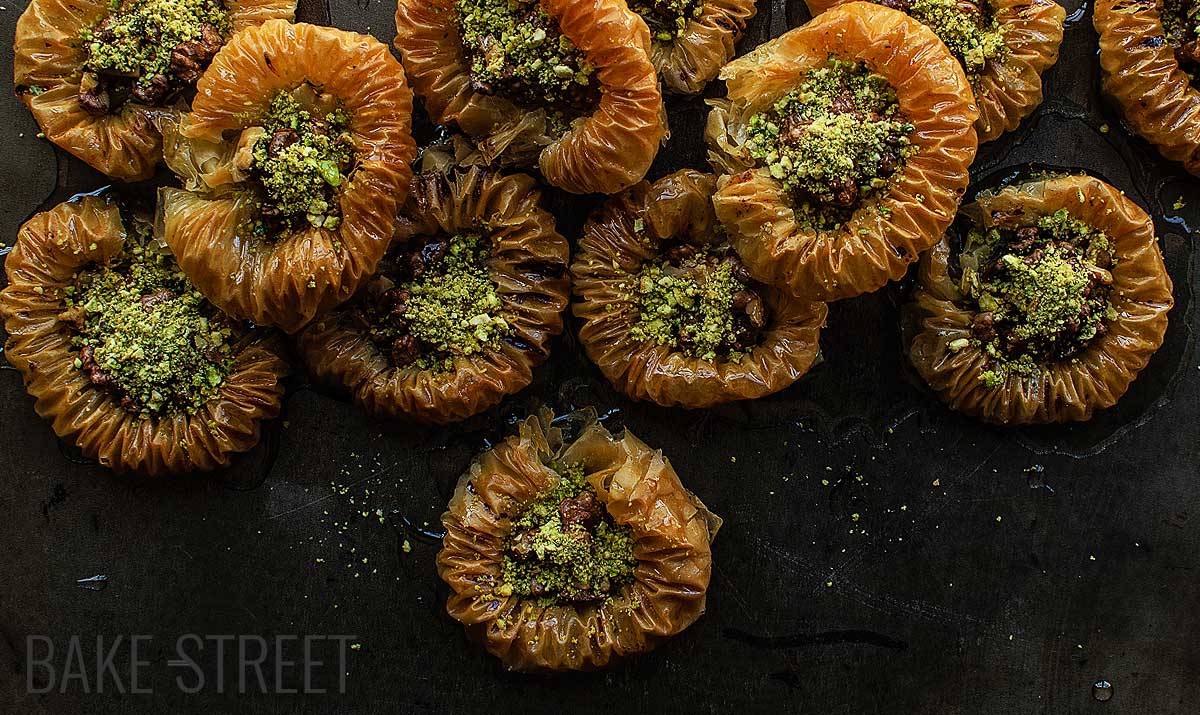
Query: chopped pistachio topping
565 547
445 306
667 19
517 50
147 335
1181 25
696 305
833 142
970 32
1042 292
301 160
140 38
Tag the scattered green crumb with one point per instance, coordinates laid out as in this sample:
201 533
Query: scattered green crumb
667 19
974 38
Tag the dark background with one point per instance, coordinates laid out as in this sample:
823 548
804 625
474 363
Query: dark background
989 570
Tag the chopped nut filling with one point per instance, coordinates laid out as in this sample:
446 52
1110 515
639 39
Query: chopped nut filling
565 547
301 157
148 50
700 302
967 28
517 51
1181 25
833 142
147 336
667 19
434 300
1042 292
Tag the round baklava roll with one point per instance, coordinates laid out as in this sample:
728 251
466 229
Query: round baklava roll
563 86
295 158
96 74
1004 46
1044 307
127 359
462 308
844 147
670 314
574 551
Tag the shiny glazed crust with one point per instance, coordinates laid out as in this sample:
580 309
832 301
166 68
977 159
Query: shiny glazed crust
610 251
1143 77
51 248
1010 89
1067 390
690 62
874 246
286 282
528 264
125 145
604 152
672 530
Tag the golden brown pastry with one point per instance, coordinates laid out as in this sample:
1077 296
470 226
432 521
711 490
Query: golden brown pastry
96 79
1150 62
633 543
569 89
462 308
126 358
692 38
1004 46
843 146
1045 308
669 312
295 157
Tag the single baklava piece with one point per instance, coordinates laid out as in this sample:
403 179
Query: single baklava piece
123 354
570 548
294 159
461 309
1004 46
97 73
1150 62
670 314
561 85
692 38
1044 306
844 146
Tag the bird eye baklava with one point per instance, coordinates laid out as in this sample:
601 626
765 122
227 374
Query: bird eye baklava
123 354
294 158
574 551
1045 305
691 39
670 314
1150 62
1004 46
560 85
96 73
843 146
462 307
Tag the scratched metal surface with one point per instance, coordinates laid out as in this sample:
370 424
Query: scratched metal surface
989 570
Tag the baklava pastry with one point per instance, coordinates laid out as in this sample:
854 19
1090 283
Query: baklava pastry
1045 305
122 354
574 551
462 307
671 315
1150 62
691 39
96 74
1004 46
565 86
844 146
295 158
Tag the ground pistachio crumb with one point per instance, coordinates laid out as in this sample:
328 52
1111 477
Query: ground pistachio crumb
565 547
1041 292
667 19
146 335
835 140
970 32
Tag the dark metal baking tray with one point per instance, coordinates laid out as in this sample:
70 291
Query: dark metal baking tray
989 570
